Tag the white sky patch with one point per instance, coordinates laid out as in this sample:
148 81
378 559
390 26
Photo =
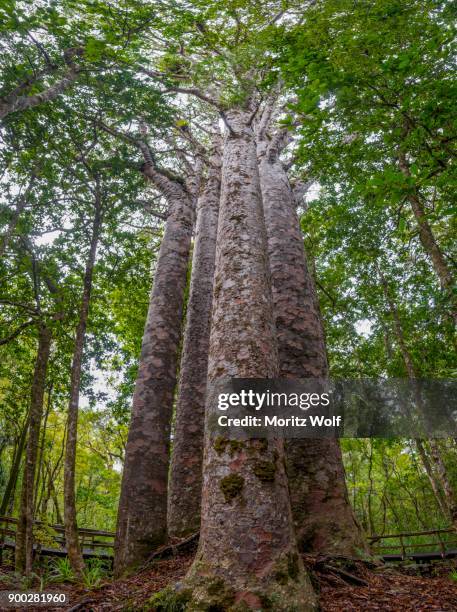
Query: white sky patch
118 466
103 383
313 192
364 327
47 238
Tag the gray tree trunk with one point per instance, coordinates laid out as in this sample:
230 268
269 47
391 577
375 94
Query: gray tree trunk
71 529
185 484
434 483
24 534
439 471
323 517
428 241
247 553
15 468
142 512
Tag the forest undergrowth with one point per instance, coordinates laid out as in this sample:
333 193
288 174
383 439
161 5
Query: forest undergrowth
342 584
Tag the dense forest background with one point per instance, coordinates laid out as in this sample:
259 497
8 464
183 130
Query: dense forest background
94 93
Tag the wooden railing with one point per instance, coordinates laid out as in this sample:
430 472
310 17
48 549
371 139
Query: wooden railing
436 542
90 539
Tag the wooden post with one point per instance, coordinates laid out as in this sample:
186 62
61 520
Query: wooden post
403 550
442 545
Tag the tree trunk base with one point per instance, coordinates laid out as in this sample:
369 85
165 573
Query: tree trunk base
324 520
286 587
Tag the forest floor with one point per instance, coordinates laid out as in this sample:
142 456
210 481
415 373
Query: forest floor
342 586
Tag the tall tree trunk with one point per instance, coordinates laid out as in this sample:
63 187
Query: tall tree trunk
441 474
55 499
449 492
21 201
434 483
71 528
323 517
24 535
247 552
142 512
8 496
43 508
40 472
426 235
15 468
185 485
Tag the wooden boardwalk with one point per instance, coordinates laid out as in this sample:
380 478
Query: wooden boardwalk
434 544
417 546
94 542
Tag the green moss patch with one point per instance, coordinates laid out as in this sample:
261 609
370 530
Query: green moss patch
287 568
221 444
210 594
265 470
169 600
231 486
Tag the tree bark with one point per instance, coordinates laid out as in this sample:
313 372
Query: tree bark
247 553
434 483
24 102
71 529
21 201
24 534
443 476
142 512
450 495
15 468
324 519
185 485
41 476
55 499
426 235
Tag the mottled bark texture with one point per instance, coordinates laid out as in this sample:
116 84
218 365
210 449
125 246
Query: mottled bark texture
323 517
24 534
142 513
185 485
247 555
71 529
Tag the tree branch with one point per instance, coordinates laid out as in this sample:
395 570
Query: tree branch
16 332
194 91
15 102
166 181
